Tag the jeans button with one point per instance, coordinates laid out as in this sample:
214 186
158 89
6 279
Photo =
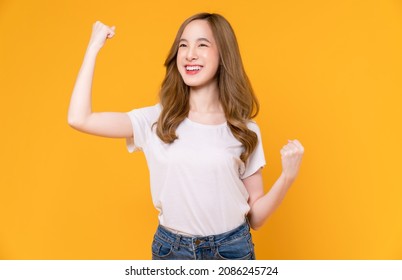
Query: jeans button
197 242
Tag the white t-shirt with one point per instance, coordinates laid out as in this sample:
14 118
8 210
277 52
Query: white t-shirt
196 182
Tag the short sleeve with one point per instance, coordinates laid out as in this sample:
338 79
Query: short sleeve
257 158
142 120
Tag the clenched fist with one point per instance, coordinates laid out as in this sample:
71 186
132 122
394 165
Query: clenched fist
100 33
292 154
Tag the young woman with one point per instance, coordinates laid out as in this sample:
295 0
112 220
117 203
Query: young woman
203 150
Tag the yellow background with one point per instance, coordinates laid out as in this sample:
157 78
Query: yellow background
326 72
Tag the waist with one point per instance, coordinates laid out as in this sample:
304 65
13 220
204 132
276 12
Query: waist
188 240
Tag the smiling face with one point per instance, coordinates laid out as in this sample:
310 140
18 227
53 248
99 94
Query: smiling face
198 55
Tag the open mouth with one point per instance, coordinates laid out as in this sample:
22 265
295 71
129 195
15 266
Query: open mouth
193 69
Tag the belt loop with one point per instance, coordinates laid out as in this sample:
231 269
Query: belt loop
211 242
177 242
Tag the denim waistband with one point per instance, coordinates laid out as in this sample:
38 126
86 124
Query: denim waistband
202 241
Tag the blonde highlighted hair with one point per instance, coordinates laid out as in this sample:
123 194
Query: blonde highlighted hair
235 92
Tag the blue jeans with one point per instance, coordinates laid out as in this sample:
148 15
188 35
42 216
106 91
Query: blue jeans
232 245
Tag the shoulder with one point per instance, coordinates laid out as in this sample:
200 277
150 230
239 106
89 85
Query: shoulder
154 109
252 125
149 112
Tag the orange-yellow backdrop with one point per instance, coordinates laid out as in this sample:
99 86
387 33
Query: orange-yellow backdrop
326 73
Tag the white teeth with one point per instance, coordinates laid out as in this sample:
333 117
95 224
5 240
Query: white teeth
193 68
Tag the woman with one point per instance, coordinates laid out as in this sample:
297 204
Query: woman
203 150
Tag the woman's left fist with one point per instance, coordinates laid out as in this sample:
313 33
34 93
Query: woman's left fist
292 154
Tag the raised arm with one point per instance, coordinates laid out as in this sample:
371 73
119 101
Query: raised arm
80 115
262 206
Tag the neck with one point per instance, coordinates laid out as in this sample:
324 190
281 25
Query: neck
205 99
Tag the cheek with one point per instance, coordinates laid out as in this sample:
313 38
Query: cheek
218 60
179 56
178 63
214 58
215 61
211 58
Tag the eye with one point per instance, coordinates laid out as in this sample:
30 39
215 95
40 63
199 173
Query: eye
182 45
203 45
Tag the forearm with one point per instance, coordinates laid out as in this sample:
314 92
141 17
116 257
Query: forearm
81 100
263 207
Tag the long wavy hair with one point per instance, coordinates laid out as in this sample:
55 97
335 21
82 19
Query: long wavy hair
235 92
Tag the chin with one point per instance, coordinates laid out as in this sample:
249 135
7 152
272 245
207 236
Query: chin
192 84
197 82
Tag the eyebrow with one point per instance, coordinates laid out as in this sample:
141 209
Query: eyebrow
199 39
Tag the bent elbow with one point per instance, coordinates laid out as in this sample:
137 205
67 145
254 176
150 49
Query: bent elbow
255 227
74 123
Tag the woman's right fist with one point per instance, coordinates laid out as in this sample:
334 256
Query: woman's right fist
100 33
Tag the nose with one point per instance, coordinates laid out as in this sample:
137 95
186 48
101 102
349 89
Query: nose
191 54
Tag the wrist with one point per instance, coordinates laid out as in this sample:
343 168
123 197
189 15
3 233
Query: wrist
93 49
286 180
